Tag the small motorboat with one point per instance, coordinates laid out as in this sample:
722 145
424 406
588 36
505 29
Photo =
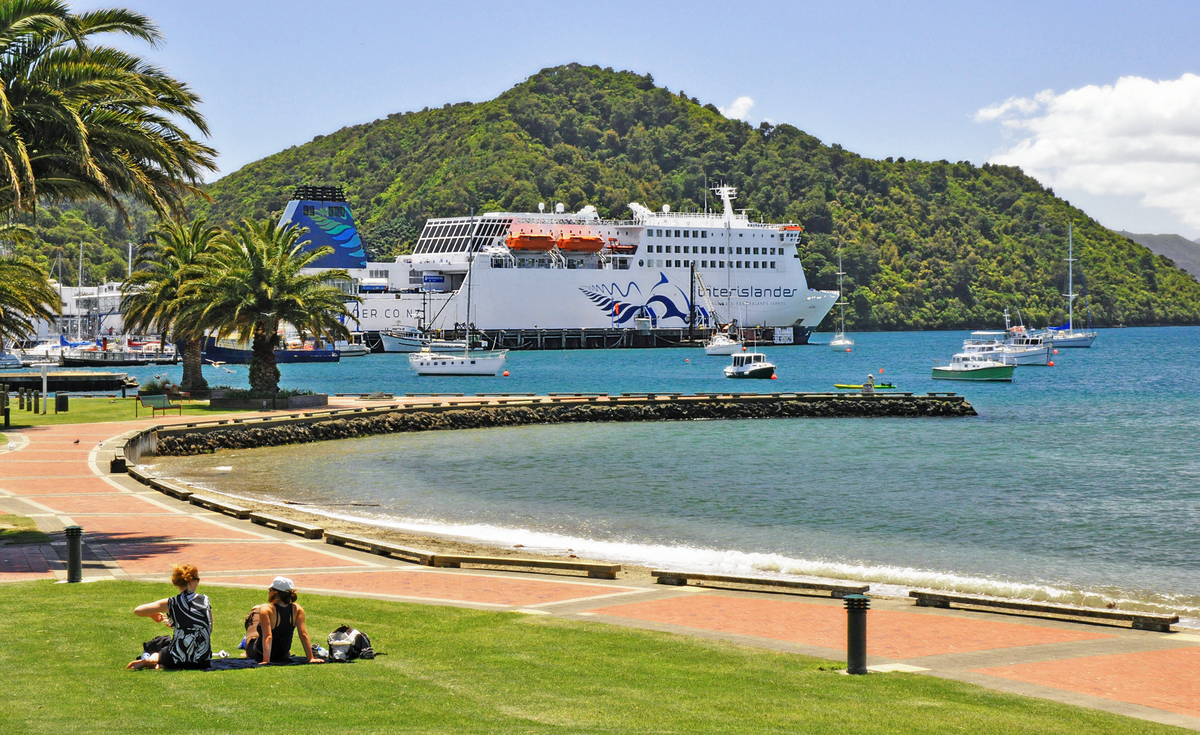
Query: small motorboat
722 343
974 366
487 363
847 386
750 365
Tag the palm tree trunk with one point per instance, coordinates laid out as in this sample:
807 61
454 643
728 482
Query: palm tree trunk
264 374
193 375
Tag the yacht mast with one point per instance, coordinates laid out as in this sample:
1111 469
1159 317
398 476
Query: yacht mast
470 267
1070 278
841 300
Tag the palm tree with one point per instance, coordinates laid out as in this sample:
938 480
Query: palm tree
152 296
257 284
25 298
81 121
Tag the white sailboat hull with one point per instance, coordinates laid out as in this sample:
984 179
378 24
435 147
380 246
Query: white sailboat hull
1073 339
1017 356
479 364
396 343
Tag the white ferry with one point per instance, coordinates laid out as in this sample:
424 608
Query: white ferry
567 271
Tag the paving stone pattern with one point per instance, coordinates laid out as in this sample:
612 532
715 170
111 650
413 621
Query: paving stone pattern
132 532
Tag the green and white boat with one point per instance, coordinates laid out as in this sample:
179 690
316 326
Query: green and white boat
973 366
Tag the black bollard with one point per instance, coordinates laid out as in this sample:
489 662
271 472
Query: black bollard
74 553
856 633
20 399
37 401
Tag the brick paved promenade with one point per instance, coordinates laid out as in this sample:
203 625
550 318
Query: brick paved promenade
133 532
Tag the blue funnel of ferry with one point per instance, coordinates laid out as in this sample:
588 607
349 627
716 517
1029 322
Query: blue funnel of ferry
324 211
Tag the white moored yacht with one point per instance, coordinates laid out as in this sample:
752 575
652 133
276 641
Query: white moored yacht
722 343
1013 346
481 363
840 341
1066 336
412 339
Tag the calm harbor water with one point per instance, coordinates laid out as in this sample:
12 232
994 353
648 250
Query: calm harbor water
1078 482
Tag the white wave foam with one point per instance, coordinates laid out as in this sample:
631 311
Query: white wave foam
885 581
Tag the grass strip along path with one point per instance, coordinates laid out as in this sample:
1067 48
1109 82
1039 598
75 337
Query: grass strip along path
103 410
460 670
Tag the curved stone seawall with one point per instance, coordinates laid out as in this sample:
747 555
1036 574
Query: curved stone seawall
486 416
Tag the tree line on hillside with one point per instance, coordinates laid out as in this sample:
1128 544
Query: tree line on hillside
926 244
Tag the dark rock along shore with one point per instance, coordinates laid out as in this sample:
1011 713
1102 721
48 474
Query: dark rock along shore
171 444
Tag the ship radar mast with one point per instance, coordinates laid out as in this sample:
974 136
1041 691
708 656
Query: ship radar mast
727 194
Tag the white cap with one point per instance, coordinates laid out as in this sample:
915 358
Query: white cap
283 584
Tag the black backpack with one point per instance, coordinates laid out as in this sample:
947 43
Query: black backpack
347 644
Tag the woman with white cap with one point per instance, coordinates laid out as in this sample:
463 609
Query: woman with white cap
277 621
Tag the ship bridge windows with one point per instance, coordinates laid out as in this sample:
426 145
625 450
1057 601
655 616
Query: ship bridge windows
309 210
455 235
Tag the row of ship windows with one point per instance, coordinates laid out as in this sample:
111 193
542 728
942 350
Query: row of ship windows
704 250
706 263
655 232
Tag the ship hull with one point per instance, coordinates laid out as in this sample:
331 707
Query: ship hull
509 299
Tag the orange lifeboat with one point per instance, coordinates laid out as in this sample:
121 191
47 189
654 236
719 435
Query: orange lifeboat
522 241
580 243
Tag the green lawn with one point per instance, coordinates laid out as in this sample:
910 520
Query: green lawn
456 670
96 410
20 530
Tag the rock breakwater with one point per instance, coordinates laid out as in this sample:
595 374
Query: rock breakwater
183 443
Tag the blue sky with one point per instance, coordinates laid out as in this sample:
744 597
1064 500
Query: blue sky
882 79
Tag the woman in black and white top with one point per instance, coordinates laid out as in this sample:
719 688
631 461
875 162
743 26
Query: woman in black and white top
190 616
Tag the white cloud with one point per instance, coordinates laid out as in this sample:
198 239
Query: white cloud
1136 138
739 109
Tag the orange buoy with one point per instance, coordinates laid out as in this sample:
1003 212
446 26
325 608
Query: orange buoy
774 376
847 349
881 371
687 360
1051 363
506 373
1056 352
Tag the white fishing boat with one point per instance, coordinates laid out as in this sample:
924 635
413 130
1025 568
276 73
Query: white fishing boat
722 343
840 342
411 339
750 365
1014 346
353 347
1066 336
973 366
479 363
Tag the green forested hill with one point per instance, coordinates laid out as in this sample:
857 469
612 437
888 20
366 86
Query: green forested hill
927 245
